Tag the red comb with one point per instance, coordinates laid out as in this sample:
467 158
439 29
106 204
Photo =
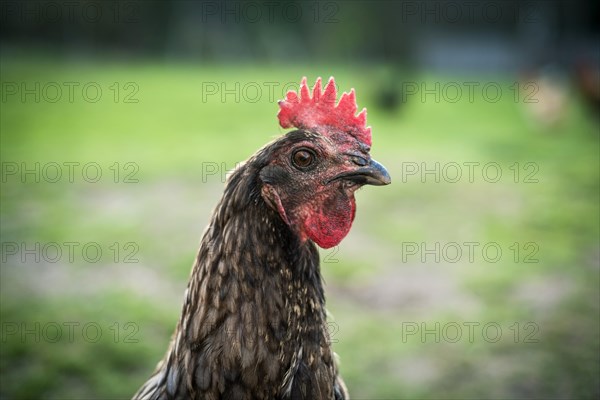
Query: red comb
320 113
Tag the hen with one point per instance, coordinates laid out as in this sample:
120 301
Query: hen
253 324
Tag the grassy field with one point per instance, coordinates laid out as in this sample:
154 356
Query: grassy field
88 312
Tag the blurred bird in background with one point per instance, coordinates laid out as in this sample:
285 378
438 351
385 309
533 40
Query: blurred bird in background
544 94
587 80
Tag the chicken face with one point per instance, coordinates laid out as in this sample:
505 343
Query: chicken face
310 175
311 179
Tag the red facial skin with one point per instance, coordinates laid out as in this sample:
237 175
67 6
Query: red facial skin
312 205
326 219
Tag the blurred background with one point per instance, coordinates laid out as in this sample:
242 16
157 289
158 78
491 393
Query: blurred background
474 275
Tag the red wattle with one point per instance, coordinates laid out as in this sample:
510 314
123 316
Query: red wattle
329 224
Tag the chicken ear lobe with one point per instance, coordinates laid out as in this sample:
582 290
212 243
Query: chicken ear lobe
272 198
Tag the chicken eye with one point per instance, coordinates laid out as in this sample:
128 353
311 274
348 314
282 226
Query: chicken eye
303 158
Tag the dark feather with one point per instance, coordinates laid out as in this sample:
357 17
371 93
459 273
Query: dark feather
253 324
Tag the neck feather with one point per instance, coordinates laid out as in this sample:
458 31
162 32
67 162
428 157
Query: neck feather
253 279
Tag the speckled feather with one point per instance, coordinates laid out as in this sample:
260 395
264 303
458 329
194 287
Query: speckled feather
253 324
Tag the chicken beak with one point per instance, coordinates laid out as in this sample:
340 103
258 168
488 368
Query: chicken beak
371 173
375 174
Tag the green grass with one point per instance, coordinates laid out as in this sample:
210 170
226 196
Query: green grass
374 290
